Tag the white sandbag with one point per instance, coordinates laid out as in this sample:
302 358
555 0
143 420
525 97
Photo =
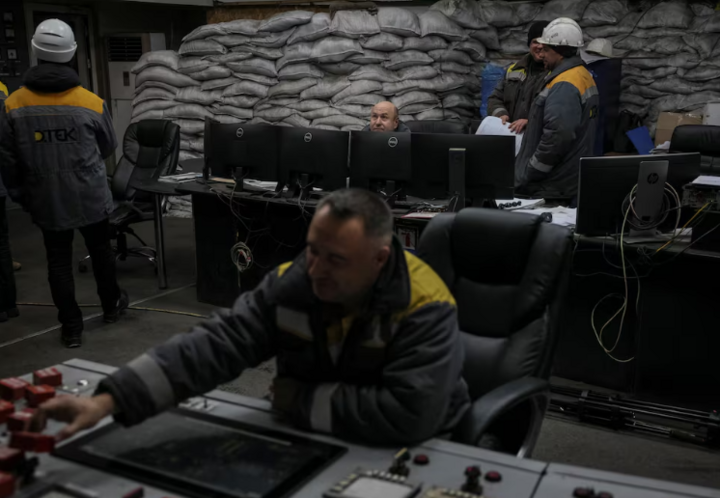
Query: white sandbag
451 67
167 58
706 24
444 82
384 42
702 10
153 94
624 27
259 121
190 126
436 23
352 128
231 41
294 87
487 36
186 155
211 73
275 114
398 21
248 27
665 46
187 111
165 75
204 32
246 88
358 88
295 54
334 49
630 98
227 119
373 73
458 100
266 53
400 88
340 120
514 45
644 91
463 12
526 12
309 105
230 57
473 48
406 117
356 111
425 44
156 114
187 65
286 20
354 24
194 145
451 56
229 110
326 88
218 84
467 113
647 62
194 95
418 108
155 84
201 47
152 105
340 68
667 15
318 27
415 98
299 71
369 57
257 78
401 60
500 14
243 101
369 99
433 115
604 12
471 82
660 72
703 44
700 73
325 127
273 40
256 65
417 73
323 112
553 9
297 121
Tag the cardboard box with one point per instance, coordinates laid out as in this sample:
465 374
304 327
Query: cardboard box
711 116
668 121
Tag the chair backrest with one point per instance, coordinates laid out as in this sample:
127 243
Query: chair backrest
508 272
704 139
150 150
437 127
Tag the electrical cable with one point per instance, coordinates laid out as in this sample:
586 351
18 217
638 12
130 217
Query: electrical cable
134 308
683 228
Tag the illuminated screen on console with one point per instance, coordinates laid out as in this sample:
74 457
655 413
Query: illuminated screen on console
202 455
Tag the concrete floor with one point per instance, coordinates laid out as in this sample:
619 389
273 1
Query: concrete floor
32 341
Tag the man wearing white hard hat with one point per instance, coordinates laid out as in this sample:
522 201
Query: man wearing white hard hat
563 118
54 137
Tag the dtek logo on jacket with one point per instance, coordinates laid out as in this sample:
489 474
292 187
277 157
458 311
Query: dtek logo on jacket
56 136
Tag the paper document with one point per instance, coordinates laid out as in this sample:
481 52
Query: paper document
709 181
524 204
494 126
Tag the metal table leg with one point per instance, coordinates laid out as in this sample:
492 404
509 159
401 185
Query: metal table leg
160 242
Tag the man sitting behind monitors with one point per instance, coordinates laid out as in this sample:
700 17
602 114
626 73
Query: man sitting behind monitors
385 117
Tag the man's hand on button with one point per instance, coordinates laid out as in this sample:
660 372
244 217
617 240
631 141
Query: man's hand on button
519 125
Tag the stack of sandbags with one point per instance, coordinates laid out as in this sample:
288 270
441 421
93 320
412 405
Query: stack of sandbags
305 69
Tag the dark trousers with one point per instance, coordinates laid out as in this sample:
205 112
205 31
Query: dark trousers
7 278
58 245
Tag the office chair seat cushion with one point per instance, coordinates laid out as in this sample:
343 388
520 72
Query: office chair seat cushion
437 127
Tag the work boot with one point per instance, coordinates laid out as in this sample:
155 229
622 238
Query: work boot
122 304
16 266
71 338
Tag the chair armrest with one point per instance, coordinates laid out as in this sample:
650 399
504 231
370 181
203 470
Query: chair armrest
490 407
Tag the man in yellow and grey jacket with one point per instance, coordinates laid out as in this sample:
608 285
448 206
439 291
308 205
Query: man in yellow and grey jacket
54 137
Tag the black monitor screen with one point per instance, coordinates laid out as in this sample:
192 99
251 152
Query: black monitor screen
489 165
378 157
205 456
320 154
251 147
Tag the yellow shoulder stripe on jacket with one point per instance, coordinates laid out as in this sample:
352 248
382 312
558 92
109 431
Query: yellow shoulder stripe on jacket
3 89
426 287
578 76
283 268
75 97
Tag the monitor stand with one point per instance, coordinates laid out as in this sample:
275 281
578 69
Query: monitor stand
649 195
456 169
239 177
391 193
303 187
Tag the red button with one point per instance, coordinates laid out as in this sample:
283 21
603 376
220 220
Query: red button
37 395
31 441
12 389
7 485
582 492
10 458
493 476
6 409
48 376
421 459
17 421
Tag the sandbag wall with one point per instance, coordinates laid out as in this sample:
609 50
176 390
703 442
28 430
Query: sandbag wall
305 69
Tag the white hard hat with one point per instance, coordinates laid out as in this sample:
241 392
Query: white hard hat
54 41
563 32
600 46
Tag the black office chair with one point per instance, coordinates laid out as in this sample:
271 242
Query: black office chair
508 273
704 139
437 127
150 150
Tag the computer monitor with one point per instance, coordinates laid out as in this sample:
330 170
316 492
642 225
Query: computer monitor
241 151
604 182
312 158
489 166
381 162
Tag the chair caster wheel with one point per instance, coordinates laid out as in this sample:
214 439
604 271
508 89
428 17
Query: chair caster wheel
82 268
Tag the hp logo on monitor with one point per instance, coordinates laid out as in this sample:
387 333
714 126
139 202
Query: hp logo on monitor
393 141
239 132
653 178
308 137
